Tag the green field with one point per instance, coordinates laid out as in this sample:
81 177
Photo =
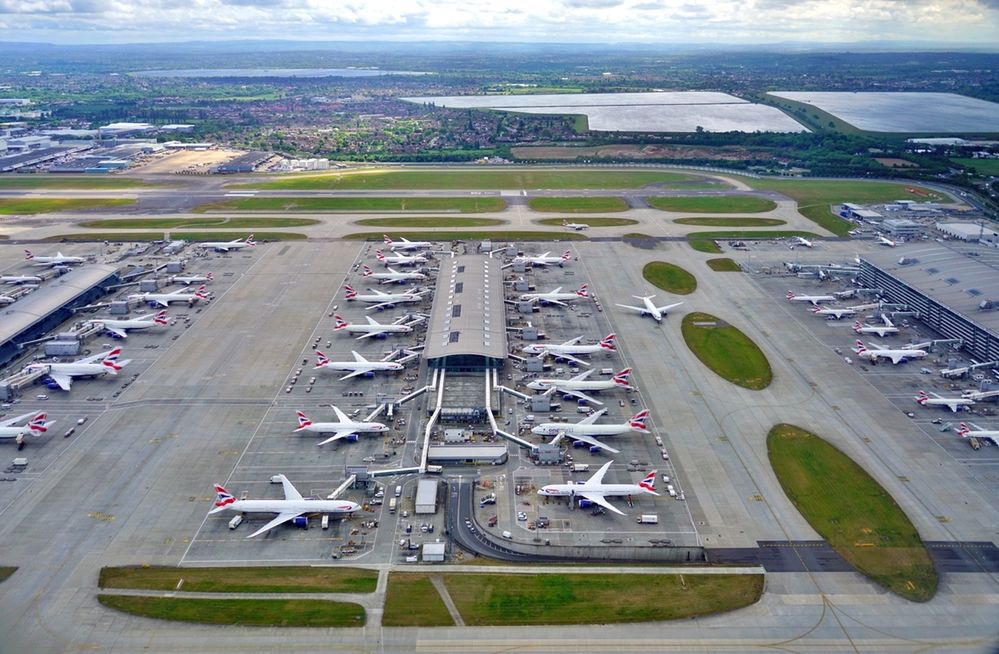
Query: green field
412 601
669 277
12 206
726 351
578 204
723 265
463 205
172 223
749 235
291 579
421 223
981 166
815 198
704 245
67 182
245 612
6 571
519 599
859 519
471 235
714 204
706 221
592 222
486 179
119 237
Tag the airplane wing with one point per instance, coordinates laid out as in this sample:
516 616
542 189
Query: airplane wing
290 492
628 306
602 501
351 375
358 358
598 476
223 247
65 381
568 357
573 341
664 309
592 418
280 519
343 433
896 357
117 331
583 375
12 421
578 394
551 301
592 441
953 407
340 415
162 302
372 321
368 335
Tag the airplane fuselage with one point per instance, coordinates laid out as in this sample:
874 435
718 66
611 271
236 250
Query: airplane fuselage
357 427
570 385
353 366
570 430
376 329
606 490
555 350
290 506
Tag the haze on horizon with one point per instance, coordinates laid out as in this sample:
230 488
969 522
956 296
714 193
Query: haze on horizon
959 23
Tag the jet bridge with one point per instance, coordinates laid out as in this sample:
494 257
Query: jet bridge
12 385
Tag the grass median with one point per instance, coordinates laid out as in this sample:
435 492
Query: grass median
270 579
728 352
462 205
422 223
243 612
30 206
81 182
704 245
173 223
745 221
723 264
412 601
745 234
581 204
847 507
713 204
669 277
470 235
121 237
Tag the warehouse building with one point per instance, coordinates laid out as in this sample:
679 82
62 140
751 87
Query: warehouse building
467 328
902 227
858 212
468 455
953 293
970 232
426 497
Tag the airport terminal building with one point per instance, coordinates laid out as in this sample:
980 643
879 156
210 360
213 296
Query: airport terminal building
955 294
467 328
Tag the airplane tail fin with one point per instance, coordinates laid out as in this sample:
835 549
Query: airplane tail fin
111 366
815 309
209 277
303 421
565 222
387 240
321 359
638 420
112 355
608 342
921 397
790 295
37 425
649 483
28 256
339 322
857 326
379 255
566 255
160 318
860 347
201 293
621 378
223 498
584 291
963 429
366 271
349 292
249 241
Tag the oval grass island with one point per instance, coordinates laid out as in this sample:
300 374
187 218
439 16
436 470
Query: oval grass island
847 507
728 352
669 277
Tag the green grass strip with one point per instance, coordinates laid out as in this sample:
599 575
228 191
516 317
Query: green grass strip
412 601
981 166
420 223
463 205
592 222
728 352
713 204
18 206
121 237
477 178
172 223
270 579
723 264
68 182
847 507
669 277
706 221
6 571
244 612
578 204
470 235
750 235
704 245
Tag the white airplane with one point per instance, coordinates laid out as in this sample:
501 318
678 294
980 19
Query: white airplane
989 434
226 246
896 356
406 245
650 309
164 299
577 384
597 492
567 349
6 299
576 226
798 240
392 275
398 259
187 280
58 260
36 426
833 312
814 299
887 242
373 328
20 279
292 506
952 403
382 300
542 259
585 429
118 328
359 366
881 331
62 374
556 296
343 428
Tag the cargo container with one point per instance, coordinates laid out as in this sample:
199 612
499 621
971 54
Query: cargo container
648 519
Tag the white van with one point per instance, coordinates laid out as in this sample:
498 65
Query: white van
235 522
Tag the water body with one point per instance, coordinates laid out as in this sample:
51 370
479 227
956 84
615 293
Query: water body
274 72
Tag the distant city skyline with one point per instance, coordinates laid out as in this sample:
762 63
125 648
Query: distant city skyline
959 23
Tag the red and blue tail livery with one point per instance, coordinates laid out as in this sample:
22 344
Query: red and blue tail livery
223 497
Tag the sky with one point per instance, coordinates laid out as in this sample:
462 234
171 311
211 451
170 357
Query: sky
760 22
